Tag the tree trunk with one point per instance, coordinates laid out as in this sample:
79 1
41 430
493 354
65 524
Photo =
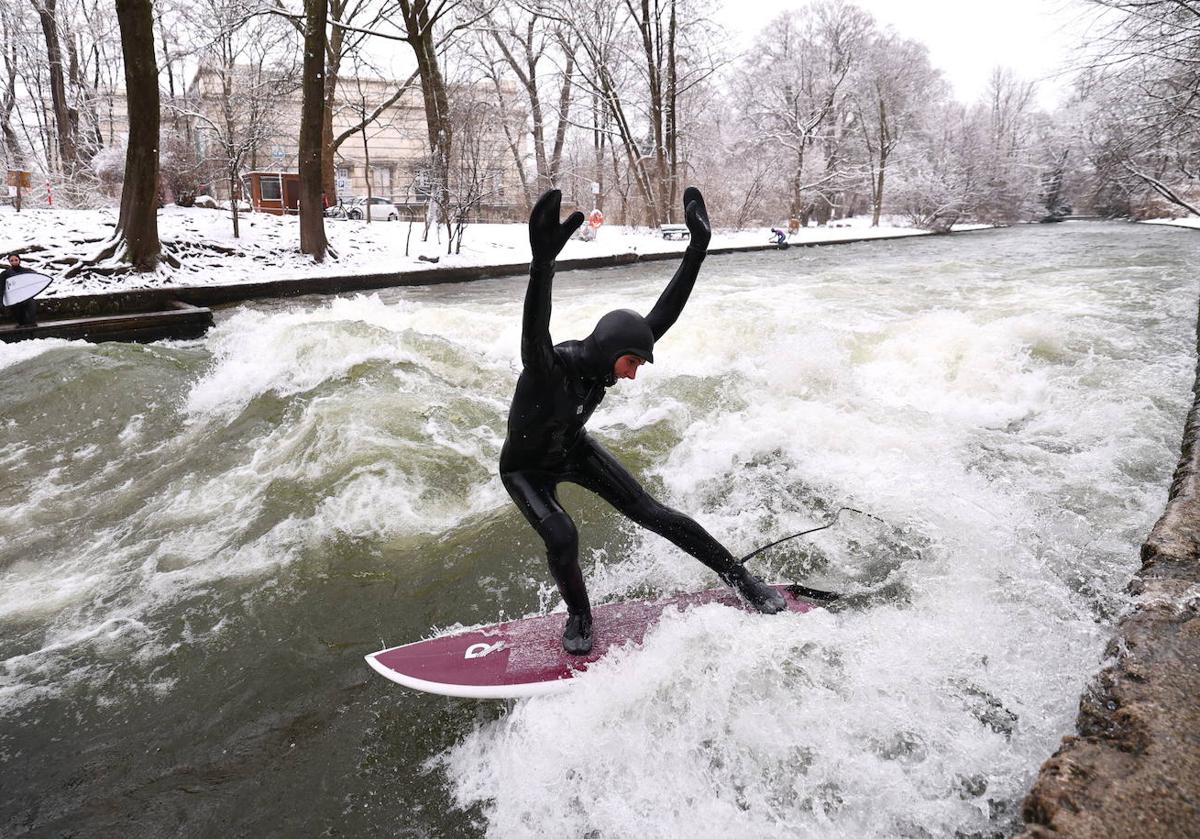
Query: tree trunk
67 152
564 110
796 208
437 104
234 197
367 160
166 48
333 67
658 212
228 69
599 142
12 144
879 189
537 117
138 221
672 127
90 139
884 149
312 113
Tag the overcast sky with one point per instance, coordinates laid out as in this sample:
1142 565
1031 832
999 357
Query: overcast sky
966 38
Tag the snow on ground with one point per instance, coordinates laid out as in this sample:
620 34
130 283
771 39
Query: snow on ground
1190 221
268 247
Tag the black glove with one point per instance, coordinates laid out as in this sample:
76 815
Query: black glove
546 235
696 216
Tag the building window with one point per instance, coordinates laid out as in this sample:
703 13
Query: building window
270 189
341 177
422 184
381 180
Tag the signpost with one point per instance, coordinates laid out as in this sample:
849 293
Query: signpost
21 180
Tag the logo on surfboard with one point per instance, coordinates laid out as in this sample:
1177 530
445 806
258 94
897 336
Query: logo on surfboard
481 650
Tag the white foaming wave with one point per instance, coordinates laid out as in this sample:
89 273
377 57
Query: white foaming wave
889 721
389 504
948 364
132 429
32 591
355 464
726 723
294 352
15 518
351 471
59 664
15 353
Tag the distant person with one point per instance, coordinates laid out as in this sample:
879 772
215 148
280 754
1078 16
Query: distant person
25 312
779 236
559 388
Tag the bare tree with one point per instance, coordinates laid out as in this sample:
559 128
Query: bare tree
230 102
1146 59
354 20
1010 169
366 117
642 86
940 179
896 79
420 20
66 118
521 43
370 116
794 89
10 34
475 173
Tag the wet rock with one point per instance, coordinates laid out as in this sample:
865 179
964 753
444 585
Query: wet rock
985 707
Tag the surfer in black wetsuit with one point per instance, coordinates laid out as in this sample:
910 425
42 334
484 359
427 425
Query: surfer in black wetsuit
559 388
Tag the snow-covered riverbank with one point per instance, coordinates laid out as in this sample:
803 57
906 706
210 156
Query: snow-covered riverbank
1192 222
268 246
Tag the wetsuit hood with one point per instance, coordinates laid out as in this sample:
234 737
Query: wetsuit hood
620 332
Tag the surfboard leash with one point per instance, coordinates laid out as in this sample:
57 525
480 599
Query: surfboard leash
825 526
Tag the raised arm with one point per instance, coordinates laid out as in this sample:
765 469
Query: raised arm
675 295
546 238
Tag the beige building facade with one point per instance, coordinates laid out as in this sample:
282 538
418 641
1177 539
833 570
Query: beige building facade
391 155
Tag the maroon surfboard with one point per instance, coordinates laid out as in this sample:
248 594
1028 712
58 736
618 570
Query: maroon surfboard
525 657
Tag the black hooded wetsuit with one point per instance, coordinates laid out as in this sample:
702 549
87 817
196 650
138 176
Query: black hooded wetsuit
558 390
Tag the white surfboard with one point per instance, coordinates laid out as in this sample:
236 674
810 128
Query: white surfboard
19 288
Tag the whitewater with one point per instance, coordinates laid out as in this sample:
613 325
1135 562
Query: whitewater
202 539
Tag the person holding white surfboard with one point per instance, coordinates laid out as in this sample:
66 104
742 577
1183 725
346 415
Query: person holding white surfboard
559 388
19 292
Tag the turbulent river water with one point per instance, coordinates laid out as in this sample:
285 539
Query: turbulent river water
201 540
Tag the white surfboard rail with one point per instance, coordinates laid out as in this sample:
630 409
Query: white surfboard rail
518 691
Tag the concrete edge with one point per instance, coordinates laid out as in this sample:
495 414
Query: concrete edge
83 305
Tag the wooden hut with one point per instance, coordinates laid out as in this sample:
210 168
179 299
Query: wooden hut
277 193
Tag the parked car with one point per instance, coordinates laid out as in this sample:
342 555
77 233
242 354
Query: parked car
381 209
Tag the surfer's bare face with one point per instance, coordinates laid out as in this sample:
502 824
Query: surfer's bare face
626 366
14 260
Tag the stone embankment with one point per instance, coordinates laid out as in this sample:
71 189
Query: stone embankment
217 294
1133 768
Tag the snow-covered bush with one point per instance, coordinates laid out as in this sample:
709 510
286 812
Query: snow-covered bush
109 166
929 198
181 171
